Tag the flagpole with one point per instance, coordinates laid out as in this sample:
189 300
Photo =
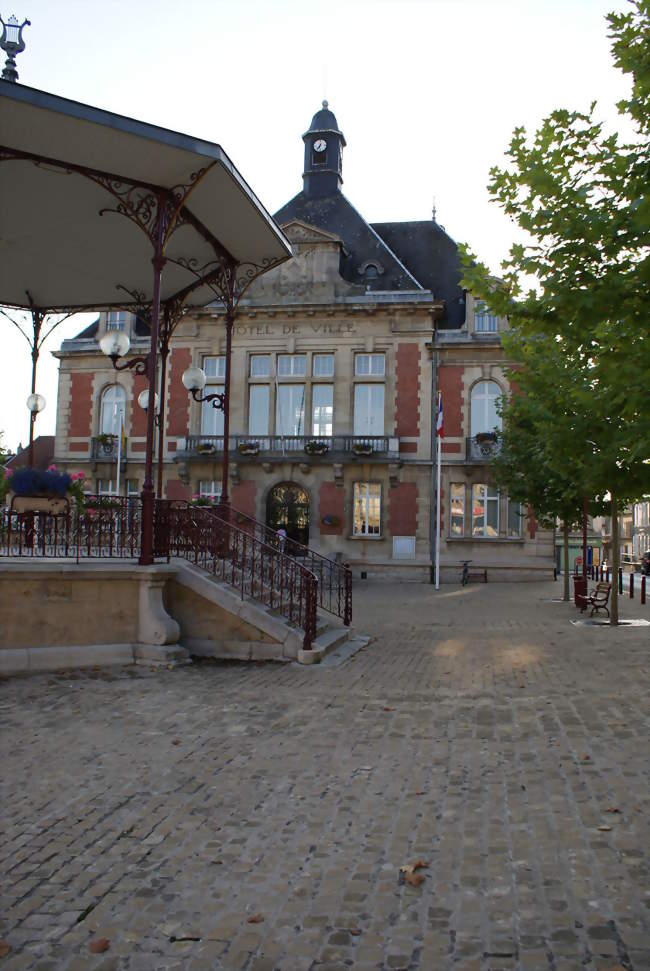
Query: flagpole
119 454
438 516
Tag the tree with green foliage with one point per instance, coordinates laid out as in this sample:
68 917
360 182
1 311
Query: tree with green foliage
581 197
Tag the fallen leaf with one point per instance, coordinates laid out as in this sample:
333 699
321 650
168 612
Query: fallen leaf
218 862
99 946
604 829
415 879
388 709
613 809
412 867
586 758
421 792
176 741
355 931
256 919
5 947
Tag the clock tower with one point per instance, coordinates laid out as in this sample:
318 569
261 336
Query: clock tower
323 155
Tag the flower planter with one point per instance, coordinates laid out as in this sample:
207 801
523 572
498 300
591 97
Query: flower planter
52 505
485 438
316 448
206 449
362 449
248 449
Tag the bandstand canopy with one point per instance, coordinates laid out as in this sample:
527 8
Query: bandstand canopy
66 169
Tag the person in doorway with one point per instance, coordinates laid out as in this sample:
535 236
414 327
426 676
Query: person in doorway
282 539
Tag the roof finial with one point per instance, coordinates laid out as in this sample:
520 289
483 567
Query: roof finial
433 209
325 104
12 43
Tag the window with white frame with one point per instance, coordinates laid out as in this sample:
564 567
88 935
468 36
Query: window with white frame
292 365
484 415
214 367
367 509
323 365
457 509
485 510
116 320
106 487
368 409
112 411
322 409
260 365
210 489
290 410
258 409
369 365
515 517
484 321
132 487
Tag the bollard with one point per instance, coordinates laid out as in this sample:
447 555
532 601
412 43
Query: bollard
643 589
631 586
620 579
608 573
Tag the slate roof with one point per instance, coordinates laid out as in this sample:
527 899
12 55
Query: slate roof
141 330
432 257
336 214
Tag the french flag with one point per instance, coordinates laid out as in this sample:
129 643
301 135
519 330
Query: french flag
439 425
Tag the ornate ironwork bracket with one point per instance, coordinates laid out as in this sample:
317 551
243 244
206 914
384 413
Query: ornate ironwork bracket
217 400
139 365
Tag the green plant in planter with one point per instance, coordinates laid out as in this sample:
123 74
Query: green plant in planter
106 438
314 447
206 448
361 448
248 448
484 437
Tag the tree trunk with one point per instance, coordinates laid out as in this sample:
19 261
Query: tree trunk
615 565
565 548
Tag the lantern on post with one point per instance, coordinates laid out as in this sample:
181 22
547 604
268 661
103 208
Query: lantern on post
12 43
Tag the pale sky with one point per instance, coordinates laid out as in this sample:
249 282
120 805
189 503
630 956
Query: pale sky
426 92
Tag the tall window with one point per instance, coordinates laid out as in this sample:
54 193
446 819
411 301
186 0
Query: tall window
116 320
292 365
112 410
209 489
290 410
457 507
258 409
484 416
132 487
323 365
483 320
369 365
368 409
514 518
322 409
367 509
212 418
485 510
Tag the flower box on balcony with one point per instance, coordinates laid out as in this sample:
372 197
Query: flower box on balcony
248 448
362 448
52 505
316 448
206 448
485 438
37 491
106 443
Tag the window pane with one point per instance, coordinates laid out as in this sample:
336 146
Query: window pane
478 510
484 321
211 418
214 367
367 509
366 364
322 409
323 365
292 365
260 365
457 509
290 411
492 513
116 320
113 410
484 417
132 487
210 489
369 409
104 487
258 410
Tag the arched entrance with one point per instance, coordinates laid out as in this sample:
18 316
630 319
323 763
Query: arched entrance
287 506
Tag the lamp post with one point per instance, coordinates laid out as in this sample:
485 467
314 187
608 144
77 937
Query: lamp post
12 43
143 401
194 379
35 404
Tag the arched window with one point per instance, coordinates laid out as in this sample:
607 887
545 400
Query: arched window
113 410
484 417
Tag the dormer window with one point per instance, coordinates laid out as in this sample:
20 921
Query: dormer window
371 269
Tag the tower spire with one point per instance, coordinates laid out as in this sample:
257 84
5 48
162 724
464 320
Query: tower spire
324 143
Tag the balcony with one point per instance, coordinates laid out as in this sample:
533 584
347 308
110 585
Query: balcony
341 447
104 448
481 448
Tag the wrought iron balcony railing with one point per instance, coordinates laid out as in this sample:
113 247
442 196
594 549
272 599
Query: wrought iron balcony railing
481 448
104 448
310 445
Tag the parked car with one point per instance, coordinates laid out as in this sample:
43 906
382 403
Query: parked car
645 563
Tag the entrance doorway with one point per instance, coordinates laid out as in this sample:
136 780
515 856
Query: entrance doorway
287 507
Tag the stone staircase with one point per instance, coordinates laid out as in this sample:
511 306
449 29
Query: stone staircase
217 622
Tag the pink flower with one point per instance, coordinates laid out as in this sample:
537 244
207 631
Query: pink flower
8 473
52 468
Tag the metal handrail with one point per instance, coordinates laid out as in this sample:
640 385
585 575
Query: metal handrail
213 444
251 566
334 579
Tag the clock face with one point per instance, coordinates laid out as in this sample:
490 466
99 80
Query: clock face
320 145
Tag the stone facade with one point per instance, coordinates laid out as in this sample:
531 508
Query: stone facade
342 346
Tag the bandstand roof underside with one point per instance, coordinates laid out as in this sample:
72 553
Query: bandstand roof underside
65 169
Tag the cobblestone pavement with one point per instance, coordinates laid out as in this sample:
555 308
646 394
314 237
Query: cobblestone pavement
231 817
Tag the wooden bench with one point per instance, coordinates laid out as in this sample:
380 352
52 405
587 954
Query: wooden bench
598 599
477 576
